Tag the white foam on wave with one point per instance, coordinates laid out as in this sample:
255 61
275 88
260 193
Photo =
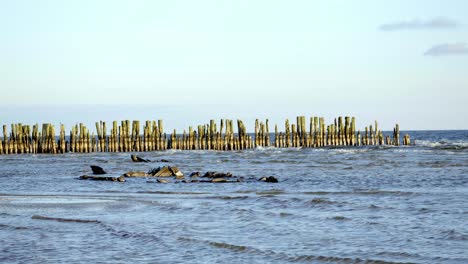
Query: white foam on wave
442 143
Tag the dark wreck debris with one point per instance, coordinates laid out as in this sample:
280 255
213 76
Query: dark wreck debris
268 179
102 178
135 158
97 170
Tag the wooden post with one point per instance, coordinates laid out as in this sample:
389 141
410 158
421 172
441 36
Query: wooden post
287 133
359 142
366 137
396 135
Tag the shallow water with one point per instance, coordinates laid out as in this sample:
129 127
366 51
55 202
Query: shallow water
348 205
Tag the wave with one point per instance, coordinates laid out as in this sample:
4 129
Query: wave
270 192
321 201
443 144
12 227
225 197
175 193
454 235
58 219
281 256
359 192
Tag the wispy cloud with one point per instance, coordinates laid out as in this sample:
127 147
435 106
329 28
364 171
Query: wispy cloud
448 49
415 24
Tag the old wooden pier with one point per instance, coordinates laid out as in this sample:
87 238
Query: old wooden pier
127 136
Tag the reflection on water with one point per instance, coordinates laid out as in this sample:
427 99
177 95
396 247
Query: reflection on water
370 204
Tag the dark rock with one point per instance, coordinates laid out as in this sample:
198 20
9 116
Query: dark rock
135 158
214 174
209 174
164 160
101 178
195 174
194 181
268 179
97 170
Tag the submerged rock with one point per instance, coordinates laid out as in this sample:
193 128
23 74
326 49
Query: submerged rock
268 179
135 174
97 170
162 181
135 158
218 180
102 178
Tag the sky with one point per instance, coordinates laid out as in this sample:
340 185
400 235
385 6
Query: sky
190 61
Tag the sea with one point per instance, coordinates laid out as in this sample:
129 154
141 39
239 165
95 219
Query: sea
374 204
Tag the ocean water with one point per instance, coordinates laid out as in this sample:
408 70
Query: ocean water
331 205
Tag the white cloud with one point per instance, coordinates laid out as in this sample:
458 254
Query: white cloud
448 49
417 24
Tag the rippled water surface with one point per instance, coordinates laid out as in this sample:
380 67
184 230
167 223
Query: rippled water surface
348 205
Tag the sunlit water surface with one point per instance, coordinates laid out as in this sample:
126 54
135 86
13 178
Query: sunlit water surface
347 205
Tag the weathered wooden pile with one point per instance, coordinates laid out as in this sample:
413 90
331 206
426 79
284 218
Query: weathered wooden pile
127 136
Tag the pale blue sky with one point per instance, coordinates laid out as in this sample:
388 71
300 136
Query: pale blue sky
394 61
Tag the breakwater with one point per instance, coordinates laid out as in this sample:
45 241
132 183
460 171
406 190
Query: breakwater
132 136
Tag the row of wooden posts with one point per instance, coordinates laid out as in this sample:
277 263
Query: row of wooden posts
127 136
